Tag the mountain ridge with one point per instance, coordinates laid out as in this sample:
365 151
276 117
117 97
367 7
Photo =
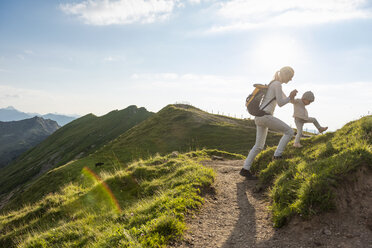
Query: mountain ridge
17 137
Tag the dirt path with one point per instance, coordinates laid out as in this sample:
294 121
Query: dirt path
234 216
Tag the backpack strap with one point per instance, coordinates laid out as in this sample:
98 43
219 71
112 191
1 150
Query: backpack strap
269 101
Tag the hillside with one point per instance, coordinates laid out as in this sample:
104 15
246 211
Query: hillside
141 205
17 137
76 139
235 215
307 181
180 128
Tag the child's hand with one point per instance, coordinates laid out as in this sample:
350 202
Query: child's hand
293 94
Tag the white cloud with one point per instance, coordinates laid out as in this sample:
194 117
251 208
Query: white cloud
107 12
242 15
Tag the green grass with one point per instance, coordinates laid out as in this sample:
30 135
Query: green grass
153 197
305 182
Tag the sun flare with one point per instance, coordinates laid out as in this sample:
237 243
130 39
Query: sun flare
273 52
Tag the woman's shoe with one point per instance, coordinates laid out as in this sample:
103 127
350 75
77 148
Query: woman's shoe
247 174
297 145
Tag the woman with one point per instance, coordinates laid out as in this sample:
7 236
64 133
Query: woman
268 121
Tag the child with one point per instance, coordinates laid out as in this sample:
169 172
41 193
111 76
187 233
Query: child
301 116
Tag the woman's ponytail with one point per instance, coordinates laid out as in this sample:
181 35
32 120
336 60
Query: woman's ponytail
285 73
276 77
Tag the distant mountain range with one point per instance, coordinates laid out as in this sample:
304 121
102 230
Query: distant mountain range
77 139
17 137
12 114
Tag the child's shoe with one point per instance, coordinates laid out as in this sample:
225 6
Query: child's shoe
297 145
322 129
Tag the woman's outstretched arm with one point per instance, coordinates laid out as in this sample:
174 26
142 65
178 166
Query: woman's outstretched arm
281 98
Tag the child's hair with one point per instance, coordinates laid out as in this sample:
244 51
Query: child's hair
308 95
286 72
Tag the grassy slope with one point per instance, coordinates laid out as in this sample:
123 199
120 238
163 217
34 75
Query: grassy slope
78 138
154 196
182 128
304 182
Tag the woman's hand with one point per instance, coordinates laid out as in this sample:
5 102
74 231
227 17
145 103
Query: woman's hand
293 94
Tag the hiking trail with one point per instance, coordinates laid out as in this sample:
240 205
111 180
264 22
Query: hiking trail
235 216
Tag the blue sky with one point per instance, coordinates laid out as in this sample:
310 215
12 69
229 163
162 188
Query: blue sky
90 56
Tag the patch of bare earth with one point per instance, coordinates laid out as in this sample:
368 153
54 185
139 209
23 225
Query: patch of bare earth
235 216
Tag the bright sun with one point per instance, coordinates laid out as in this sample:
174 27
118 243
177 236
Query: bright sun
273 52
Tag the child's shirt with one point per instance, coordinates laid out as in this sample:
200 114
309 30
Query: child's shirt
299 110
